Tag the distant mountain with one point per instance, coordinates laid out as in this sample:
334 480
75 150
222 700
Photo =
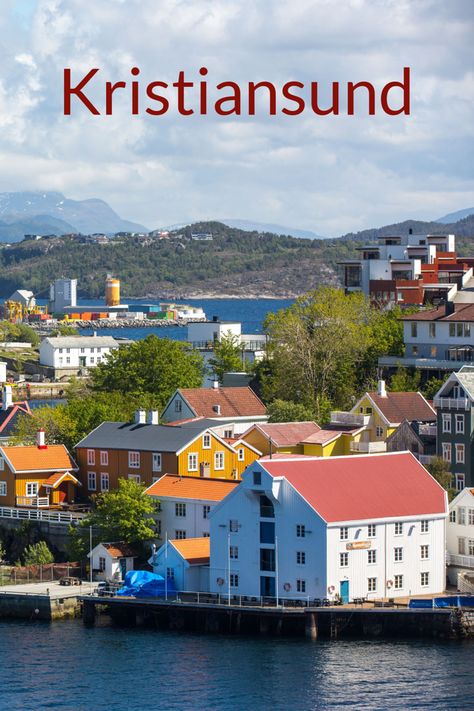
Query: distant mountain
250 226
461 228
43 212
455 216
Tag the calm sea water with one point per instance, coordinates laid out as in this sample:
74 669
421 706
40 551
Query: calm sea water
68 666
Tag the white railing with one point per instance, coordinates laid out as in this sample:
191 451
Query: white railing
459 403
425 458
39 515
463 561
430 430
350 418
35 502
368 447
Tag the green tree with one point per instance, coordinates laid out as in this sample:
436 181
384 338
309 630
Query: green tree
404 381
18 332
38 554
227 357
153 365
431 387
284 411
124 514
439 470
3 551
64 329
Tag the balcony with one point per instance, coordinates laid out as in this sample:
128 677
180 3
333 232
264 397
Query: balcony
428 430
451 403
462 561
368 447
33 502
350 418
425 459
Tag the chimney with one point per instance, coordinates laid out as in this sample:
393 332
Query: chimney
215 319
449 308
217 409
381 388
153 417
7 397
215 384
140 417
40 439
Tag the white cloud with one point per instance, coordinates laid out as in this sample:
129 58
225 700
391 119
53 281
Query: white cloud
329 174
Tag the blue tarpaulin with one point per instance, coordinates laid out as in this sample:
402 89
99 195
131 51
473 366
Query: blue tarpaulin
449 601
141 583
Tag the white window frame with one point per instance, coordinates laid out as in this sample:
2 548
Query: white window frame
219 461
446 451
470 517
104 458
343 560
398 554
461 516
234 552
460 453
234 580
241 454
459 423
424 552
104 479
300 557
233 525
156 462
102 564
379 431
424 579
446 417
92 481
371 584
398 581
193 462
300 585
372 556
180 509
452 516
460 480
91 457
134 459
3 488
425 526
343 533
398 528
32 488
135 477
206 441
372 530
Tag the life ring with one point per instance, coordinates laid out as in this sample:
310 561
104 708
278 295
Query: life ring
331 589
389 583
220 581
287 587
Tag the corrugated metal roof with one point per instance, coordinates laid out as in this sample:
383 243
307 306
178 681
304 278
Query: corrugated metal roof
189 487
142 437
82 341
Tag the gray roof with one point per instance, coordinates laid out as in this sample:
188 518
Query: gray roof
144 438
466 378
81 341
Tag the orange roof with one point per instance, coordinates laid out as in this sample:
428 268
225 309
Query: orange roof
194 550
55 479
233 402
190 487
52 458
120 550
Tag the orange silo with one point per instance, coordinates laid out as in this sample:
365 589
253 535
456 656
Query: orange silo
112 291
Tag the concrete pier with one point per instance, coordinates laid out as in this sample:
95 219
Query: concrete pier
41 601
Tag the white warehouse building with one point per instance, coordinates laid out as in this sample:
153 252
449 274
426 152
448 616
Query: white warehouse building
75 352
370 526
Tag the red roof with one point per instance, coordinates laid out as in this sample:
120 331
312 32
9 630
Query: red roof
397 407
120 550
362 487
233 402
286 434
462 312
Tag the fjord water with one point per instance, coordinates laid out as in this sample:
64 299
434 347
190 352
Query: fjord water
69 666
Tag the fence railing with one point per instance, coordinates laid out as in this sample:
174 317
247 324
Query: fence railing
463 561
19 575
60 517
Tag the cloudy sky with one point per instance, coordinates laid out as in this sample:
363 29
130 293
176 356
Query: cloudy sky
327 174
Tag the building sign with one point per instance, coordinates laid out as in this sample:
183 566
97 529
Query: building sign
355 545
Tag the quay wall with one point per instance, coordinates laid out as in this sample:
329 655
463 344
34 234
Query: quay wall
38 607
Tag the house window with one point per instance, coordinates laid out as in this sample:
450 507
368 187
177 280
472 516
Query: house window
459 454
371 557
91 360
300 530
425 526
218 461
398 582
104 459
398 555
3 488
414 350
91 481
206 441
425 579
158 526
234 580
228 434
257 478
135 477
462 546
101 564
458 392
134 460
178 405
424 552
432 329
2 464
60 361
170 573
372 584
234 552
104 481
459 419
459 330
467 330
156 462
179 534
300 558
206 534
414 330
233 525
32 488
301 586
180 509
379 431
460 480
68 360
343 533
240 454
446 448
452 330
192 462
433 351
368 410
446 422
462 516
470 546
470 517
91 456
371 530
452 516
398 528
206 509
343 560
